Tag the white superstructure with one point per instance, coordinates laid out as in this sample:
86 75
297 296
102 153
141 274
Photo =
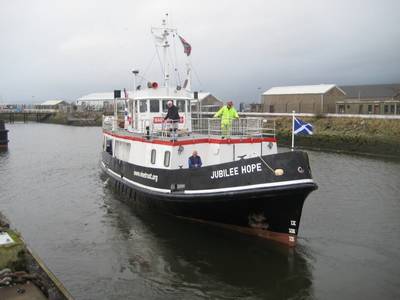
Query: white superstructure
142 137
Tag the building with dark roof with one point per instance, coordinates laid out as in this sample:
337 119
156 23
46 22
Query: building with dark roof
205 102
380 99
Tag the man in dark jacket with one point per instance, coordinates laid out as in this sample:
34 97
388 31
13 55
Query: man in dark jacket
173 117
195 161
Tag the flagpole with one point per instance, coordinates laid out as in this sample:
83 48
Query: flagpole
293 112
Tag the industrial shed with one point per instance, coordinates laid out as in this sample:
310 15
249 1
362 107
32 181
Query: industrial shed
96 101
316 99
53 104
205 102
381 99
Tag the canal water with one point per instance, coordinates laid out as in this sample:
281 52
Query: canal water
53 191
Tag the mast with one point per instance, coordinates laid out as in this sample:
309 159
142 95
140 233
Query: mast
188 75
165 49
161 37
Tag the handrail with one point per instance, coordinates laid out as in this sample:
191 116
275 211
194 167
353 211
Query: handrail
201 127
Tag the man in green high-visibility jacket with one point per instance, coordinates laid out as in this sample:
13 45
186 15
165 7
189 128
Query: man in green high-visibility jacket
227 113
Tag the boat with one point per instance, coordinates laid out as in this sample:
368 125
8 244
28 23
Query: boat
3 135
244 184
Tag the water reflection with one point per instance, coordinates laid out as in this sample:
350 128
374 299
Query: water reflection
205 261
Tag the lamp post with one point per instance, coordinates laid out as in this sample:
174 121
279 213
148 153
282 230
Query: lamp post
132 108
135 73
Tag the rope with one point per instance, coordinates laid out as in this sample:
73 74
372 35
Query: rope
159 59
197 77
265 163
176 62
147 69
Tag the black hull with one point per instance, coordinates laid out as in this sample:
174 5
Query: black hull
267 209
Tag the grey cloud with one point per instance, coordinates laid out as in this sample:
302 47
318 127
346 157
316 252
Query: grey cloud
64 49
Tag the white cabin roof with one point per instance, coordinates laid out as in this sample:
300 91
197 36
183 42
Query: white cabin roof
52 102
301 89
99 96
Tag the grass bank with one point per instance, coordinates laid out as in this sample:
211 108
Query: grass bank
367 136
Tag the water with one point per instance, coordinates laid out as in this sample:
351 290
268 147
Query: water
53 191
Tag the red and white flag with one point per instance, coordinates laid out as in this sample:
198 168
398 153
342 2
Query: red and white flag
186 46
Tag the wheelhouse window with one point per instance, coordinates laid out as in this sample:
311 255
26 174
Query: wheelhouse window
181 105
164 105
167 158
143 106
154 106
153 156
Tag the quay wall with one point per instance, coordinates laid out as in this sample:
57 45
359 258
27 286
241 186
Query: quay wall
75 118
354 135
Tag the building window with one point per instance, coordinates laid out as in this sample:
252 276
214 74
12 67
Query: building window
143 106
167 158
153 156
271 108
154 106
392 109
360 109
341 108
181 105
370 109
386 109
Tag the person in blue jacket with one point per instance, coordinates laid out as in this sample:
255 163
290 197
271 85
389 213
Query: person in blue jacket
195 160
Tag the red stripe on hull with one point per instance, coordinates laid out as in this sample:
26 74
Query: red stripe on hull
283 238
195 141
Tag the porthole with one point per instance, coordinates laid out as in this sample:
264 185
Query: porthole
153 156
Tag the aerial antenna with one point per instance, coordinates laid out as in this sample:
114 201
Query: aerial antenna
161 37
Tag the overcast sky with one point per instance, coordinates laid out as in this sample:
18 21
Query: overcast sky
53 49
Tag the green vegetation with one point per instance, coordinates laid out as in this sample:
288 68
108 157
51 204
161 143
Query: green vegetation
12 256
76 118
368 136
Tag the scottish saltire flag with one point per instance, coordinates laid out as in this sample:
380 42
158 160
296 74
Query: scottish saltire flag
301 127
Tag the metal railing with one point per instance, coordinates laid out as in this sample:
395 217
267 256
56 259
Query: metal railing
210 127
243 127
